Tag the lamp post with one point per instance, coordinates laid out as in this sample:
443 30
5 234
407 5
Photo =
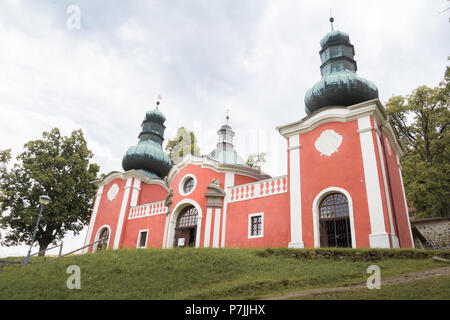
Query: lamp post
43 200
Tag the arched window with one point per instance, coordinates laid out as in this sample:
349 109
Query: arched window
103 239
186 227
334 221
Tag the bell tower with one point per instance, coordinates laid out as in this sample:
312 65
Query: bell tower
345 187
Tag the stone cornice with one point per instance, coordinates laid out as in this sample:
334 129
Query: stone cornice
130 174
343 114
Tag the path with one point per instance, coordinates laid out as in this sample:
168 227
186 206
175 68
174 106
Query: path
433 273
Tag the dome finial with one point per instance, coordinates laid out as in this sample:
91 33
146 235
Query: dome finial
227 115
158 102
331 20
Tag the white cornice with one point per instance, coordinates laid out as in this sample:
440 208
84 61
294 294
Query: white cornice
129 174
206 162
330 114
344 114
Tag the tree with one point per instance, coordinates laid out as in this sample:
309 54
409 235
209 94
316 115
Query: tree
182 144
256 159
57 166
422 120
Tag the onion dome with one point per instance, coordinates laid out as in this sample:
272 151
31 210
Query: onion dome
224 152
148 156
340 85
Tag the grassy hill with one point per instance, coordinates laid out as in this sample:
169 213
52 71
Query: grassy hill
206 273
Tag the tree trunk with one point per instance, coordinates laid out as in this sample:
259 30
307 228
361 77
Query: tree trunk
43 244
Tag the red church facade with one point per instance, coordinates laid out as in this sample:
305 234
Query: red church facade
338 151
343 186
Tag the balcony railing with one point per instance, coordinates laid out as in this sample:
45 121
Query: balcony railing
147 210
258 189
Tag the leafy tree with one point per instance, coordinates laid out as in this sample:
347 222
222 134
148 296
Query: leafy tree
182 144
57 166
422 120
256 159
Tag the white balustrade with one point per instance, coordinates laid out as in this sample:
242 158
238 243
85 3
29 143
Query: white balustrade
257 189
148 209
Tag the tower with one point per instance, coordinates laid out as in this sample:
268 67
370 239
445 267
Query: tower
345 185
224 152
147 156
340 85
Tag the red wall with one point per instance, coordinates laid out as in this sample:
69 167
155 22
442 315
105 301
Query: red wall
276 222
204 176
343 169
155 224
109 210
240 179
151 193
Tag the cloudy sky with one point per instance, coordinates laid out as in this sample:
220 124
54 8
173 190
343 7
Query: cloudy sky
254 57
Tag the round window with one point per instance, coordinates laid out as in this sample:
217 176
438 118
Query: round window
188 185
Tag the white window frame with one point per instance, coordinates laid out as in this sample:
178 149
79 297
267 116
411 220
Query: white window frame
97 237
250 216
139 238
183 181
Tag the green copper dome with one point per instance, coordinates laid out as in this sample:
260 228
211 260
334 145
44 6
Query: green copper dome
340 85
147 156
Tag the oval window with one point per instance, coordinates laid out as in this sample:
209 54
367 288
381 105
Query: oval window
188 185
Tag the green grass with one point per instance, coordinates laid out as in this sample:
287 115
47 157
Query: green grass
192 274
426 289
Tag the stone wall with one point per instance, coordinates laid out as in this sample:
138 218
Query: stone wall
436 232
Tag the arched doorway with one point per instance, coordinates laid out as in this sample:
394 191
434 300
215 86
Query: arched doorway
334 221
186 228
103 239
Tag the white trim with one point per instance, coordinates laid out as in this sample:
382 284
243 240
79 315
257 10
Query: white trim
294 147
208 227
183 181
216 166
386 191
322 144
166 230
135 193
364 130
216 235
139 238
97 236
173 221
240 192
148 210
342 114
130 174
296 240
93 218
113 191
123 210
250 216
378 237
315 209
229 182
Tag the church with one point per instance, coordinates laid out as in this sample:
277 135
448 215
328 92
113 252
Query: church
343 186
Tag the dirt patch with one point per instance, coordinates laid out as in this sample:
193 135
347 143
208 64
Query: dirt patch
433 273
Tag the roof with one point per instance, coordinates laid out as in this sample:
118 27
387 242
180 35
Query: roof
227 157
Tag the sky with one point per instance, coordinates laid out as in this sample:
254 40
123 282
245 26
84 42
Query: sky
100 65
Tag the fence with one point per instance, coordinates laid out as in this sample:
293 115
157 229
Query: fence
4 263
